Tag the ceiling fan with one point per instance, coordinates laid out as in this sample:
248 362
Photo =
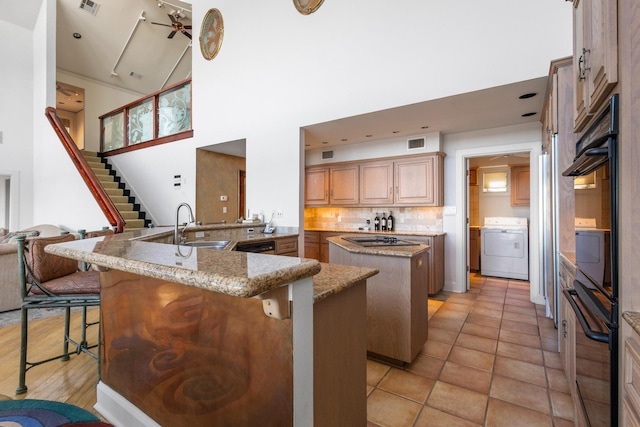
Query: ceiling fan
176 25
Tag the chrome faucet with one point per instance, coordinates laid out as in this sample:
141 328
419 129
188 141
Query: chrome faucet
176 234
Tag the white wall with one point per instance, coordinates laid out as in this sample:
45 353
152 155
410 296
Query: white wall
16 119
279 70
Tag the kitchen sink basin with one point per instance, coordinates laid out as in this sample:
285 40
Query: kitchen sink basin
379 241
208 244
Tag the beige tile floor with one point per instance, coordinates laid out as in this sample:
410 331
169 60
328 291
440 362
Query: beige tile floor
491 360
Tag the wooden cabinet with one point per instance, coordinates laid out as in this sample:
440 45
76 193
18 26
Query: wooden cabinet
405 181
473 176
312 244
331 186
520 186
474 249
419 181
287 246
316 186
631 379
316 245
595 55
344 185
435 271
376 183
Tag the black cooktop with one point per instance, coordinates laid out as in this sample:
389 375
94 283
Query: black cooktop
379 241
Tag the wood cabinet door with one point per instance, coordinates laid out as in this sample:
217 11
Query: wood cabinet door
417 182
316 186
520 186
376 183
344 184
595 55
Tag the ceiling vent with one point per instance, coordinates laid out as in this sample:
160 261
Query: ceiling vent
327 155
89 6
416 143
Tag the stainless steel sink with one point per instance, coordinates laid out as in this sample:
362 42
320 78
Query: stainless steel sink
208 244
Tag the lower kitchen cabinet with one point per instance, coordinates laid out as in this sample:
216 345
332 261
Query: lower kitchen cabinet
287 246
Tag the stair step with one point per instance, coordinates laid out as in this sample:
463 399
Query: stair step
111 185
124 206
119 199
134 223
100 171
127 215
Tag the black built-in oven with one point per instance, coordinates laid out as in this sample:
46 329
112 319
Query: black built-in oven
594 297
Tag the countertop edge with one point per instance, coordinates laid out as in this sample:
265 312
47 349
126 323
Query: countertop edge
391 233
334 278
396 251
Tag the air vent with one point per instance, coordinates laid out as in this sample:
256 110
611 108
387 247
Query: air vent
89 6
415 143
327 154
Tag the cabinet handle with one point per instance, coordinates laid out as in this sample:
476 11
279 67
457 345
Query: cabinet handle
582 65
390 191
564 328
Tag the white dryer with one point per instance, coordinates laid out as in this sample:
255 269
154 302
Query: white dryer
505 248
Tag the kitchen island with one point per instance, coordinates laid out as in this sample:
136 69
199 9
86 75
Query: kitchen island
193 336
397 315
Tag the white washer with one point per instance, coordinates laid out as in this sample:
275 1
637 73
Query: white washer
505 248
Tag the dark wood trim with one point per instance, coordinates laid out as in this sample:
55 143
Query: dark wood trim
147 144
151 95
97 190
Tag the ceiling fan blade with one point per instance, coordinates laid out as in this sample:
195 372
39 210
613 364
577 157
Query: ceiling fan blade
170 36
164 25
188 27
187 34
173 19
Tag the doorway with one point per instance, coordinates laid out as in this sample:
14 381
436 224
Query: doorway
464 158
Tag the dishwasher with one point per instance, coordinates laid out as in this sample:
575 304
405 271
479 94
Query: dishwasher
264 247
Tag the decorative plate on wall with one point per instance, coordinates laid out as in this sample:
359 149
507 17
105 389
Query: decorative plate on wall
211 34
307 7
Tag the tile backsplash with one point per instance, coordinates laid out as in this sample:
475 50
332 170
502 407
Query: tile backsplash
420 219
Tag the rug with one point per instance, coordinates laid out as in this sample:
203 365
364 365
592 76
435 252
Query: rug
45 413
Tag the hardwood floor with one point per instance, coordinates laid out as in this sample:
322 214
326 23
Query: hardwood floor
72 382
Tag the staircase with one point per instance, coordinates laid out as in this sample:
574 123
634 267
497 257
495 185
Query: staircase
125 203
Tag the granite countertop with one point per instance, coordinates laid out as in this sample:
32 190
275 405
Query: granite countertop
391 233
334 278
240 274
397 251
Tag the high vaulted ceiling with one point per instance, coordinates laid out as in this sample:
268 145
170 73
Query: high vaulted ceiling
120 46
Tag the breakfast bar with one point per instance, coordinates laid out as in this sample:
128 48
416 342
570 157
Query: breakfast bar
193 336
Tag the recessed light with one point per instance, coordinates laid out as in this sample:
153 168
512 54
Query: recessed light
529 114
77 35
325 142
396 131
424 127
527 95
368 136
344 140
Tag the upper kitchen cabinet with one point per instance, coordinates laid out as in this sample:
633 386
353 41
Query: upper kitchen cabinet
344 185
376 183
595 56
419 181
401 181
337 185
316 186
520 185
